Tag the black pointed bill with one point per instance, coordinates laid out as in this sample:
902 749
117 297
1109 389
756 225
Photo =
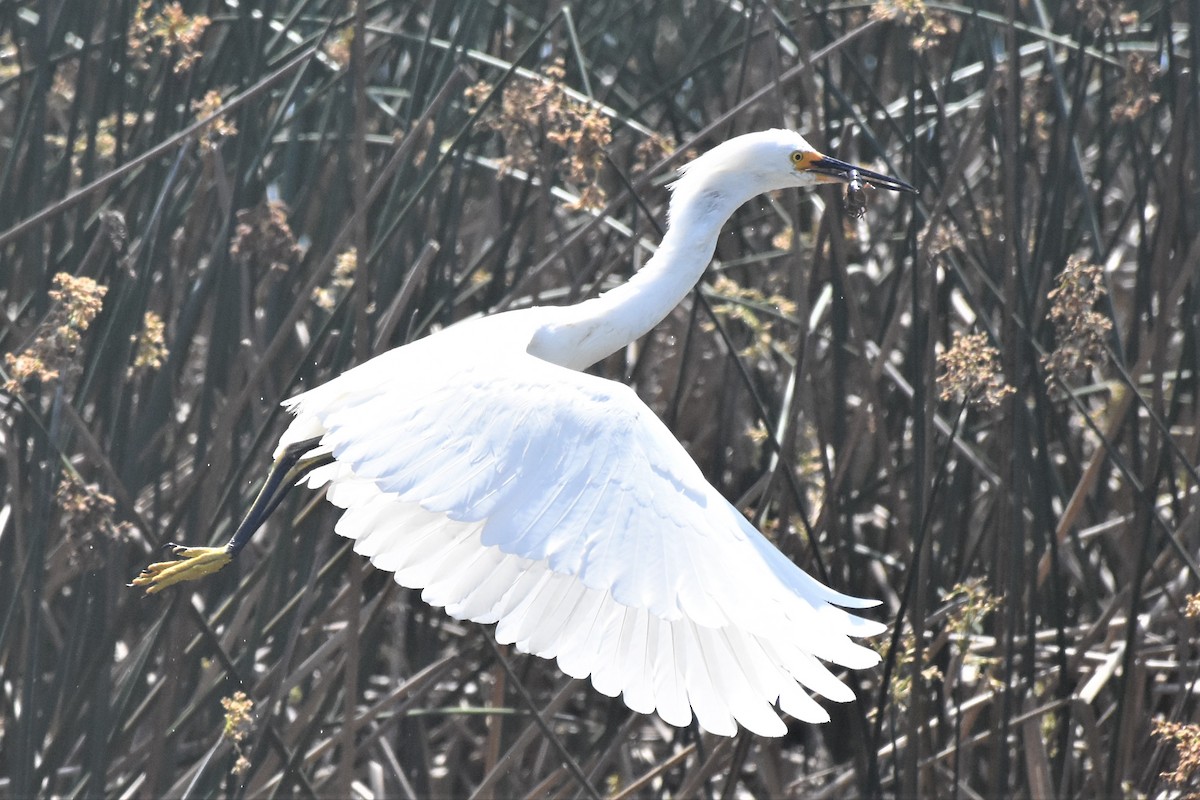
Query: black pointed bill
841 172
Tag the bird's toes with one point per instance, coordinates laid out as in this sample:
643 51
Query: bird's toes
192 563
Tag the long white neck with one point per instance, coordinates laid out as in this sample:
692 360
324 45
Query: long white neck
585 333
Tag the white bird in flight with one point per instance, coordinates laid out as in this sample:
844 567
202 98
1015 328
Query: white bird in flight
480 465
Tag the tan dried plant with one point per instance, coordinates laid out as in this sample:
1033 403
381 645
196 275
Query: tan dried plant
928 26
263 236
1185 738
52 355
971 372
238 725
86 518
740 305
968 605
172 33
1136 95
220 128
1079 330
339 45
1107 12
539 120
149 345
326 297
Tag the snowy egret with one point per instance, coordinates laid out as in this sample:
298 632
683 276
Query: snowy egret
480 465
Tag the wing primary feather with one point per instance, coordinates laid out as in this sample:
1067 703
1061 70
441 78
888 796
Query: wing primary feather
533 615
597 648
670 688
480 604
432 557
797 702
747 706
572 657
807 670
520 593
545 640
637 679
606 675
710 709
454 585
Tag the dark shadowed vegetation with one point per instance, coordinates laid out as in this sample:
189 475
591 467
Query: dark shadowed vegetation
978 405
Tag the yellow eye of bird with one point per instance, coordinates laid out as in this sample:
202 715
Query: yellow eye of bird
797 157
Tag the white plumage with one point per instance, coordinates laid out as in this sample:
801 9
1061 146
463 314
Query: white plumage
481 467
555 504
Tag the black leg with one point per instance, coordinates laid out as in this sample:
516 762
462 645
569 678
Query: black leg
193 563
290 467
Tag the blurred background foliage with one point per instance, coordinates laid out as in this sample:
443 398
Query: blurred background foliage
978 405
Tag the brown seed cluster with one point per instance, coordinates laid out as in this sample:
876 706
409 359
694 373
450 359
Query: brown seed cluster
264 236
938 239
540 121
1185 736
1112 13
111 131
149 345
972 603
1136 95
741 304
220 128
902 676
650 151
238 724
968 605
1080 331
51 356
1036 97
86 515
971 372
326 297
174 34
929 27
339 45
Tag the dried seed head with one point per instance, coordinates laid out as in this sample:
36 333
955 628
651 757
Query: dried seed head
149 345
52 354
1136 96
540 121
1185 736
971 372
263 235
220 128
741 305
172 33
929 27
1080 332
86 518
343 278
238 725
938 239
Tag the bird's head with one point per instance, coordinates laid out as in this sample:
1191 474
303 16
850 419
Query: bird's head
748 165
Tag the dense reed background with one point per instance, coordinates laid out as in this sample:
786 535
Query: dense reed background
978 405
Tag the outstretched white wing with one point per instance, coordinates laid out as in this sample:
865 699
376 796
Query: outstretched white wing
557 505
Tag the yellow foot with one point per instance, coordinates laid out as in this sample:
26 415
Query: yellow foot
194 563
